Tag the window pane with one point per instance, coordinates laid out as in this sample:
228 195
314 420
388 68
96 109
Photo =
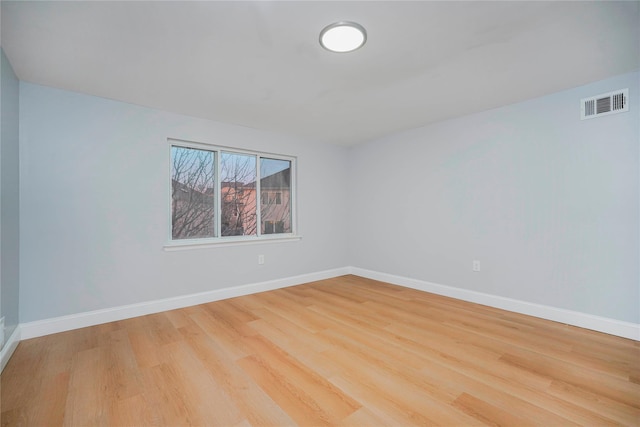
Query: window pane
192 193
238 194
276 182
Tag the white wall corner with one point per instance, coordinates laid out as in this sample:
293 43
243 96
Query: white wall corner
9 347
574 318
91 318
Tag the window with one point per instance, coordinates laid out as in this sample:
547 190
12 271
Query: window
192 193
220 194
276 183
238 178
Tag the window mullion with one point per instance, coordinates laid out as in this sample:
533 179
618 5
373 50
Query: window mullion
217 200
258 198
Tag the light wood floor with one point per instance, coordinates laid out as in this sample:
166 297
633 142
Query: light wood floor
345 351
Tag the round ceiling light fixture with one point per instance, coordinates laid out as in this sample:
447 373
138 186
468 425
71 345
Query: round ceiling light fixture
343 37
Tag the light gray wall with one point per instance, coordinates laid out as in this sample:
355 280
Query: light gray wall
94 206
548 203
9 197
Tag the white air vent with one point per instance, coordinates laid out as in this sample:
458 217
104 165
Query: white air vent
605 104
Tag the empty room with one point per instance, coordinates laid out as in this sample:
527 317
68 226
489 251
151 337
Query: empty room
305 213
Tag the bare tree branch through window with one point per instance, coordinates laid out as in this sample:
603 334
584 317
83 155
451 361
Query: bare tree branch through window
192 193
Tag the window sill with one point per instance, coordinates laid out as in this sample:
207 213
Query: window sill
181 245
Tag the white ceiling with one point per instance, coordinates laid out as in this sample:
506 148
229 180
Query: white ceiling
259 64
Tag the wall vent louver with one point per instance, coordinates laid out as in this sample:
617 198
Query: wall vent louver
605 104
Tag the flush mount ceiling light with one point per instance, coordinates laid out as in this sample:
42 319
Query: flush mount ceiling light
343 37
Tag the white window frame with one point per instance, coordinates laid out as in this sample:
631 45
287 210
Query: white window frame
181 244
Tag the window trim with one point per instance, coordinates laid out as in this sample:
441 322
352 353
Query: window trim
182 244
186 244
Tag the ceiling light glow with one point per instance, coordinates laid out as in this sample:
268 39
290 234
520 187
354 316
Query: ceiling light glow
343 37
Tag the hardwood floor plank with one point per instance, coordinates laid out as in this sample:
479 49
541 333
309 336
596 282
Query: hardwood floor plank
289 380
328 301
488 413
179 318
300 406
595 403
168 403
310 355
620 391
508 391
364 417
123 379
346 351
379 392
231 342
86 402
209 403
381 403
131 412
51 398
445 348
256 406
144 348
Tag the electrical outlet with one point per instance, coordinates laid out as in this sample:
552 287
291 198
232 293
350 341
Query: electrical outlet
476 265
260 259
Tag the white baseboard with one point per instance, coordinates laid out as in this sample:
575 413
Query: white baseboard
91 318
9 347
574 318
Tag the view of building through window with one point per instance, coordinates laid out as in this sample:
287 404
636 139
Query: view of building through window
275 211
247 181
238 178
